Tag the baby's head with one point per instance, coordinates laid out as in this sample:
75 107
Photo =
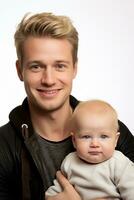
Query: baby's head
94 127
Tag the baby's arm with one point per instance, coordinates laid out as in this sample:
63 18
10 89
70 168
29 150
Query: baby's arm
54 189
126 182
68 191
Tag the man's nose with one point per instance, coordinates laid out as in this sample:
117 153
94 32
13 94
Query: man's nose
48 76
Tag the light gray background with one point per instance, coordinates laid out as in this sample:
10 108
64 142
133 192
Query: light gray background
106 47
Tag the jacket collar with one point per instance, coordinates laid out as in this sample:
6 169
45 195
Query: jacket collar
20 117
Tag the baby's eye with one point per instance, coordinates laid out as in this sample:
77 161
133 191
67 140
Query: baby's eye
86 136
104 136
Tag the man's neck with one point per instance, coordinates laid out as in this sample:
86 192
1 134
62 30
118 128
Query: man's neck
52 125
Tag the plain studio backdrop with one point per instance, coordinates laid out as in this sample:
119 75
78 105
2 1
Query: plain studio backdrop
105 57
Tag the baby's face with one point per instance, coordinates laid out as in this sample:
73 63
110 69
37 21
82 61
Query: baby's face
95 138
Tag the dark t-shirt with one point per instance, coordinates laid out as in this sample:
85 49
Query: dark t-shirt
53 154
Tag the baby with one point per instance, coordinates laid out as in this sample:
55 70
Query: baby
96 169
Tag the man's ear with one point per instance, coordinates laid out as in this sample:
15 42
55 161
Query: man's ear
19 70
73 139
75 69
117 137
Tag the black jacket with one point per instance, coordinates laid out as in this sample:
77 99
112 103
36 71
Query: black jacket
21 168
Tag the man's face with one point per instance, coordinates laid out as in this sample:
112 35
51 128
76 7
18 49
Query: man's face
47 71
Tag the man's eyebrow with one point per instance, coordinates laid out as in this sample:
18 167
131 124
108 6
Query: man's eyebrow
62 61
42 62
34 61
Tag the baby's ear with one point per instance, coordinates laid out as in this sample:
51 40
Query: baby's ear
72 134
117 137
73 139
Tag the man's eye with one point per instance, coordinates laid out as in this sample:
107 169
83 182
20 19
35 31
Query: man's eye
60 67
35 67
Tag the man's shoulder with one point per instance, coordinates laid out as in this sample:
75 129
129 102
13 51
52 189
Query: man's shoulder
7 134
5 128
73 102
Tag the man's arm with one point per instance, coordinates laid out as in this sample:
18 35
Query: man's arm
126 141
6 186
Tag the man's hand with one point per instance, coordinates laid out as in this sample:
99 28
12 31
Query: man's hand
69 193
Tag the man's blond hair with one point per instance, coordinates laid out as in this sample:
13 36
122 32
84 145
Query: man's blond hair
46 25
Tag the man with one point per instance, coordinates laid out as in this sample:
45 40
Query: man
36 139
